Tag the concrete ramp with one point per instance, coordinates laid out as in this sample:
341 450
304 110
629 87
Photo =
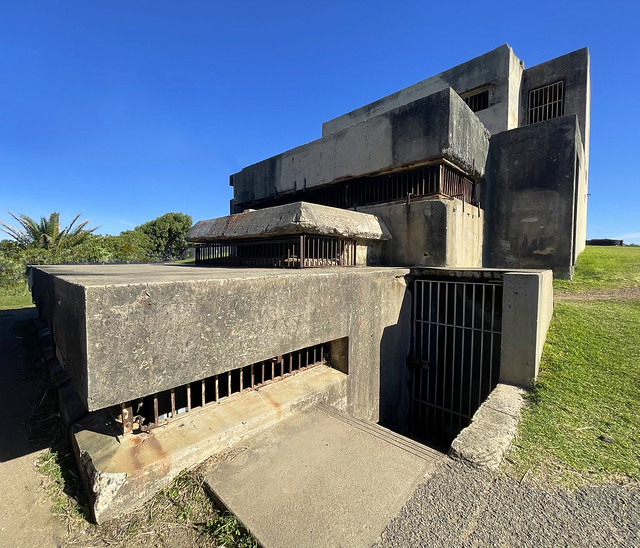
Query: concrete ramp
319 478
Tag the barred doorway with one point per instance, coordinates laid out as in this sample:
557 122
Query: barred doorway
455 354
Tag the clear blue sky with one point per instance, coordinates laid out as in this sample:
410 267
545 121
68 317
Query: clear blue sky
125 110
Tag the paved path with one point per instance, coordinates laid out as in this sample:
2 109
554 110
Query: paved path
320 478
25 512
460 506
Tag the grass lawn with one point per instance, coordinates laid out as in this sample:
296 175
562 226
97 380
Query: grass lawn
603 268
583 423
10 302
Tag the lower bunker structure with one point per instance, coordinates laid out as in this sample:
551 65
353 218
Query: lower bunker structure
265 343
398 269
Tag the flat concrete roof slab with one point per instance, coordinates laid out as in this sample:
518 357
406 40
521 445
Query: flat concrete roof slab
319 478
290 219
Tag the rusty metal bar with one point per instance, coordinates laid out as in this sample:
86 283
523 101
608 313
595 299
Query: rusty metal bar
126 414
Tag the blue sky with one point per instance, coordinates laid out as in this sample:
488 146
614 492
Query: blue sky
123 111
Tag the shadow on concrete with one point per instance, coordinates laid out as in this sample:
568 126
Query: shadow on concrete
394 373
23 387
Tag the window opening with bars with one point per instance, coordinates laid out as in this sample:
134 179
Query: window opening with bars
455 355
478 100
546 103
154 410
428 180
304 251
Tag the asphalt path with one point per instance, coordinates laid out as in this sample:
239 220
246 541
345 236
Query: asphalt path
462 506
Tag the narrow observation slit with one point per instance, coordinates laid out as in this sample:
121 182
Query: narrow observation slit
156 409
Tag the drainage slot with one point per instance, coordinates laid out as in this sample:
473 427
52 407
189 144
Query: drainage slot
156 409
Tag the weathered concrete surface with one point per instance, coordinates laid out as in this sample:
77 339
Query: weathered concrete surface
320 479
431 232
288 219
120 474
575 70
125 331
535 197
486 440
527 308
438 126
500 70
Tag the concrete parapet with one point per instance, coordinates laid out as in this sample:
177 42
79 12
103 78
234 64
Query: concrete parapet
439 126
536 201
526 314
126 331
486 440
490 70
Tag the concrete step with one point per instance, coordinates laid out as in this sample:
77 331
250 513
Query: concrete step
406 444
319 478
124 472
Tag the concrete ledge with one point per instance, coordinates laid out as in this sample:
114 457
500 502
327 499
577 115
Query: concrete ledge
485 441
290 219
121 473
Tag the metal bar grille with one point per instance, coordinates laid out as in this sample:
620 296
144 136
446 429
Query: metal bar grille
456 354
363 191
304 251
156 409
546 102
477 101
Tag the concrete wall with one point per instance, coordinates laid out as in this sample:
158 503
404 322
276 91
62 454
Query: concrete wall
531 197
527 308
574 68
432 232
434 127
125 331
492 69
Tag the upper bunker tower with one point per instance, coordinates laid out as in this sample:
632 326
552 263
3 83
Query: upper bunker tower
485 164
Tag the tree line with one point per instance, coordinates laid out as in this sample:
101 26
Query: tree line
47 242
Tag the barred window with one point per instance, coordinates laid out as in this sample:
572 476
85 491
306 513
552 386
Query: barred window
546 102
477 99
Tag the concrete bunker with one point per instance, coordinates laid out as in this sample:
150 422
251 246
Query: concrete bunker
452 219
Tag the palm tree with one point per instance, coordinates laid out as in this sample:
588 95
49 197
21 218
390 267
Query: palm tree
47 233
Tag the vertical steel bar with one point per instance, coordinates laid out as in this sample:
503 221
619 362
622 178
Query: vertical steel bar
482 335
155 409
204 393
471 353
453 348
189 397
217 388
173 403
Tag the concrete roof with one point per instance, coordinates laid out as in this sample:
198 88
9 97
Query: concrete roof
290 219
94 275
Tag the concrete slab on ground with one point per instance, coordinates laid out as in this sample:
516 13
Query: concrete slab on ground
319 478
